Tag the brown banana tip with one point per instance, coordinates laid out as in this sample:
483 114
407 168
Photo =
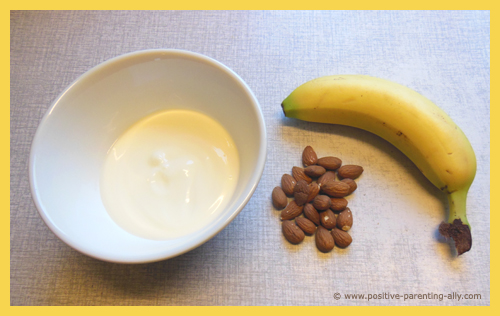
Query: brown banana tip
459 232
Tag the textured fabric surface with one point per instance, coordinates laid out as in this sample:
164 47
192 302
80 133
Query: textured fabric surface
396 247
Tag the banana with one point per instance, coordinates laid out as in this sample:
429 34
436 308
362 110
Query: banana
409 121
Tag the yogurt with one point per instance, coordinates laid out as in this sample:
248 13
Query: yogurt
169 174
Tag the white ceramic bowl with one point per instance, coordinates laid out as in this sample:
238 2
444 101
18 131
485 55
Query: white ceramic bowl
85 120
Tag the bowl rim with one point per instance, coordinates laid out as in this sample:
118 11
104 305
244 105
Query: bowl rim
209 231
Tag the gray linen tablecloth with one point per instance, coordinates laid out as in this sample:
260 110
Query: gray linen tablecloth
396 248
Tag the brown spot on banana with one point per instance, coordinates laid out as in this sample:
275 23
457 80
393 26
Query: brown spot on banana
445 189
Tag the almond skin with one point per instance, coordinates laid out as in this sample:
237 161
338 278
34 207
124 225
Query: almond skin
322 202
338 204
314 171
350 171
306 225
288 184
291 211
279 198
299 174
344 220
311 213
309 156
329 163
352 184
292 232
313 191
341 238
335 188
328 219
301 192
327 177
324 240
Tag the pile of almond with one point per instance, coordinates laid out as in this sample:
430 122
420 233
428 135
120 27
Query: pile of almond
318 205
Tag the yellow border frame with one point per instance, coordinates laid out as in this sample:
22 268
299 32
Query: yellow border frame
219 311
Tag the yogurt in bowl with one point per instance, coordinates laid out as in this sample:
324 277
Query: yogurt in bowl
147 156
169 174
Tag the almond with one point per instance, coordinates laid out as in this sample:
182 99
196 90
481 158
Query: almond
341 238
322 202
335 188
311 213
288 184
344 220
324 240
328 219
352 184
313 191
301 192
314 171
309 156
329 163
338 204
299 174
350 171
279 198
328 176
306 225
291 211
292 232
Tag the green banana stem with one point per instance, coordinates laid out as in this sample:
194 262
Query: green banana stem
457 202
458 227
